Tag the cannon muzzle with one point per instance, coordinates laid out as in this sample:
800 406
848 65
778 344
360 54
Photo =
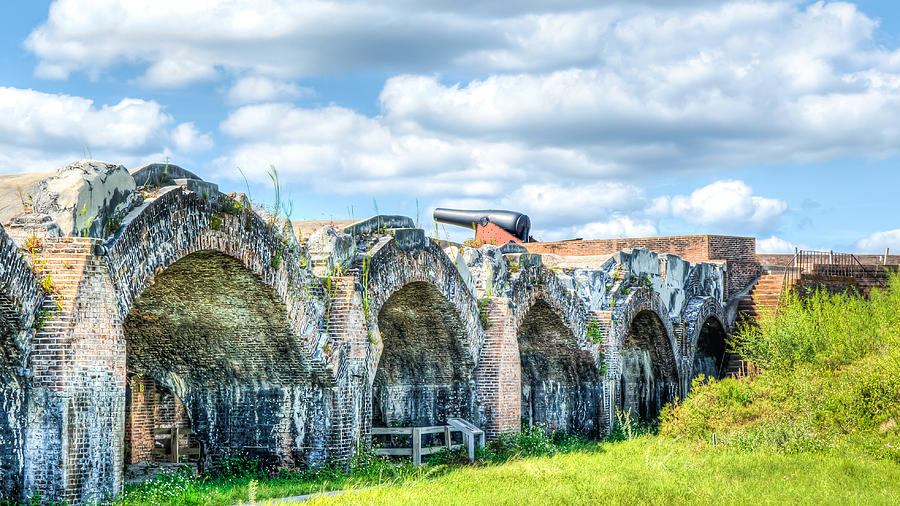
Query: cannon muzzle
515 223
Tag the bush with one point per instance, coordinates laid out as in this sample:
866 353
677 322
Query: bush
824 330
830 379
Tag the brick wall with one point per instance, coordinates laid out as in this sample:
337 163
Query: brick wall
693 248
499 371
78 365
739 252
149 405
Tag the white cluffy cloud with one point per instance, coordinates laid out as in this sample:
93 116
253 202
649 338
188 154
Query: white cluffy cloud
878 241
254 89
40 132
187 139
669 90
774 245
725 203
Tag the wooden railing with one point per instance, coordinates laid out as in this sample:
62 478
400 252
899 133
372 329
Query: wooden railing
472 437
176 450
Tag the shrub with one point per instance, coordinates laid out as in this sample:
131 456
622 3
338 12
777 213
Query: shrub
830 379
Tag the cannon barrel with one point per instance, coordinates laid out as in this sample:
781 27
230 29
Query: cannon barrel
517 224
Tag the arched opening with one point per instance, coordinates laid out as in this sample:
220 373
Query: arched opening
649 378
709 357
560 383
425 375
209 348
12 415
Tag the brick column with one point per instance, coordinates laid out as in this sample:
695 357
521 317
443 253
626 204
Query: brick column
76 414
348 342
499 373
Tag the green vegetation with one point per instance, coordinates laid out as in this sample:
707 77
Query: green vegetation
231 484
649 470
829 381
818 423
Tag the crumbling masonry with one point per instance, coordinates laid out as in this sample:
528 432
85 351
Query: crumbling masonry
152 300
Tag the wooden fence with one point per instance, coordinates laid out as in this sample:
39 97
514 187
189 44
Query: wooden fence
472 437
175 450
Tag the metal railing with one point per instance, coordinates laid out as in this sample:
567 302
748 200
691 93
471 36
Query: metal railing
827 264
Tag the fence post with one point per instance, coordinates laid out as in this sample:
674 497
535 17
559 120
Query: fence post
174 444
448 442
417 446
886 251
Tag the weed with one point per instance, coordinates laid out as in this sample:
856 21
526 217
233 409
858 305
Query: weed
482 313
40 319
593 331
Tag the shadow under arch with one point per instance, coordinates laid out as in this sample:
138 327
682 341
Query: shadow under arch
710 350
648 371
20 299
425 372
560 383
219 338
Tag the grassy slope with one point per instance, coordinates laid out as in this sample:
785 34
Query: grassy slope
652 470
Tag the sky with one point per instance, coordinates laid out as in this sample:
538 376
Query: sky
598 119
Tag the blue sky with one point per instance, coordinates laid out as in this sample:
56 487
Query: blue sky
598 119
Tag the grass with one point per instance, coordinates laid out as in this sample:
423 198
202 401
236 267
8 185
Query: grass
820 423
830 382
651 470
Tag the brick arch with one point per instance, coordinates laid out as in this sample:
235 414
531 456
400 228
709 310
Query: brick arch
293 413
639 321
540 283
392 267
558 368
20 298
698 312
642 299
412 275
176 224
20 294
215 336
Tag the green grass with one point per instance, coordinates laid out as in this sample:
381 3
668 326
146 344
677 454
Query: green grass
652 470
830 382
820 423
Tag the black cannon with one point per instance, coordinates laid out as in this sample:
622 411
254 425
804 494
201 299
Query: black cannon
515 224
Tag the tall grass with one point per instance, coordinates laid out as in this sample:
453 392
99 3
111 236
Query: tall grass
824 330
829 381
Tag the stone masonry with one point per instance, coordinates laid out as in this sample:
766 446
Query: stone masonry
192 308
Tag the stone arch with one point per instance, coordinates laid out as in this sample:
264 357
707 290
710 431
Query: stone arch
20 299
179 255
425 336
175 224
392 267
561 381
704 338
211 333
648 369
